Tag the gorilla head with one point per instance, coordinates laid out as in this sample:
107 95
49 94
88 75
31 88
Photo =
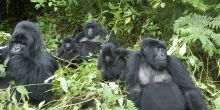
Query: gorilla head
29 62
68 44
109 52
154 52
26 39
91 29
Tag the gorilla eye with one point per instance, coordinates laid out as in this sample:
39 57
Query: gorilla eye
23 42
160 49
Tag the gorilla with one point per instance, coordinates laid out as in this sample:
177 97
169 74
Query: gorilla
69 53
29 62
112 63
87 47
93 36
2 51
157 81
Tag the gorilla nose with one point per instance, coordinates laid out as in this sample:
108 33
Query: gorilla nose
108 59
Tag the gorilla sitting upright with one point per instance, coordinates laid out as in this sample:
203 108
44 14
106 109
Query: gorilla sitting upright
29 62
112 62
91 38
69 53
157 81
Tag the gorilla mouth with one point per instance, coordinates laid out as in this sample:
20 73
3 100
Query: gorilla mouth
17 48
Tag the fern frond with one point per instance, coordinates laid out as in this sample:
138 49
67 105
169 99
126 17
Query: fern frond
215 23
199 27
207 45
191 21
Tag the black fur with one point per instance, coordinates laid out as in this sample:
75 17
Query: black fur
181 77
29 62
156 81
2 52
69 53
111 64
92 37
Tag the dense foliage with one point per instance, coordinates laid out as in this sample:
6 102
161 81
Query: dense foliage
191 29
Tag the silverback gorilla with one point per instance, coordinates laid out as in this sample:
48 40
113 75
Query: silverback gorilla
29 62
157 81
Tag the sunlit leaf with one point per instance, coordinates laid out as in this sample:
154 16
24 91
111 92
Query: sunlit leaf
182 50
41 104
127 20
22 90
217 102
63 84
112 85
192 61
50 4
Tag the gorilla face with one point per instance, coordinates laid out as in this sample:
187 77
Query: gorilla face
68 44
20 42
91 30
108 57
154 53
109 52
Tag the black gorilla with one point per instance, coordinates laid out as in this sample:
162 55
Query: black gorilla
2 50
29 62
181 77
87 47
93 36
112 63
156 81
69 53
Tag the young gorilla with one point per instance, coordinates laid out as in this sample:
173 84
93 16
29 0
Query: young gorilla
29 62
69 53
151 82
111 63
92 37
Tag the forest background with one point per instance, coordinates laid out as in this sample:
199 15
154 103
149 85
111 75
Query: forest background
190 28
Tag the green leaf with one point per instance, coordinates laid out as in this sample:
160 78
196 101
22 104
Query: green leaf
127 20
106 91
22 90
50 4
130 105
217 102
41 104
63 84
182 50
192 61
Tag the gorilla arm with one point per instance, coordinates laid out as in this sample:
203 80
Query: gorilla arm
133 82
59 52
182 78
33 71
101 66
79 36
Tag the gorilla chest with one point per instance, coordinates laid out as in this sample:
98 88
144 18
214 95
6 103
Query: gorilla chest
95 39
149 75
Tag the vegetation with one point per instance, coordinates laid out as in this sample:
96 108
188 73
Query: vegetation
191 29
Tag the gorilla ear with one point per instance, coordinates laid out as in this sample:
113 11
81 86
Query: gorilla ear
118 50
145 48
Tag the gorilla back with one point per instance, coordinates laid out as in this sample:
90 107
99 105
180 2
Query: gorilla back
29 62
